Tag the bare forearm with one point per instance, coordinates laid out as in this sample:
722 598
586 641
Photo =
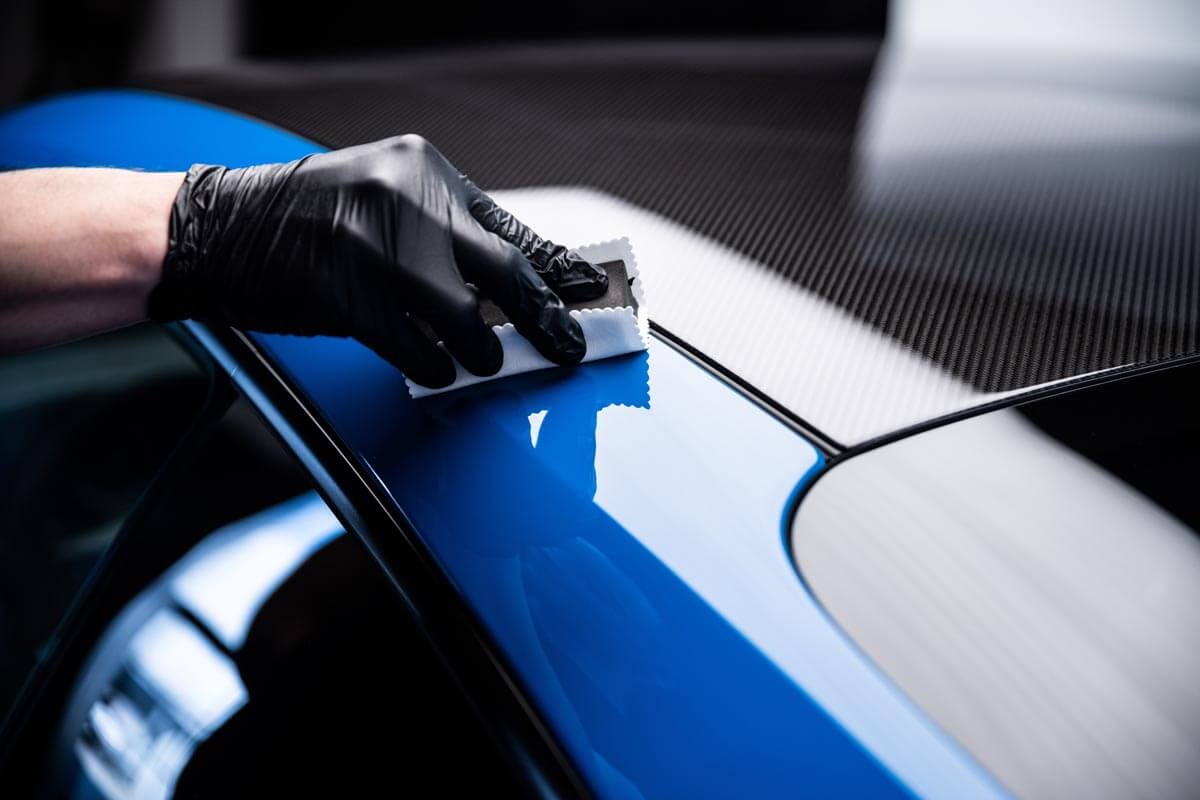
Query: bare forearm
80 250
365 242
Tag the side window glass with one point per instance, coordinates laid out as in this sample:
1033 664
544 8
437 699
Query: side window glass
84 427
273 659
237 641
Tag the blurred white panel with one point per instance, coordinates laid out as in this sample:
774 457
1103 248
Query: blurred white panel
1137 28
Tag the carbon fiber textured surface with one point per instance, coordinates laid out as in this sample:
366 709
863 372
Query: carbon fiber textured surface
1016 239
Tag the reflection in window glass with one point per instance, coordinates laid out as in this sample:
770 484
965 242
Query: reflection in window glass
166 676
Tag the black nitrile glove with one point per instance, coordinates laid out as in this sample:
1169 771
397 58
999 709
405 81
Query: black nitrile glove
359 242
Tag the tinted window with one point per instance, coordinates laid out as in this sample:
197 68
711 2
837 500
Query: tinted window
236 641
83 429
272 660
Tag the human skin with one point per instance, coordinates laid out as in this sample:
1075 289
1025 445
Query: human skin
366 241
80 251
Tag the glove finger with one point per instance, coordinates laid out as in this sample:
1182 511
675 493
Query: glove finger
569 274
409 349
504 274
456 318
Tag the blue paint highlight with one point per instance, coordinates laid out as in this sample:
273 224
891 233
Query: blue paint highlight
651 690
616 526
138 130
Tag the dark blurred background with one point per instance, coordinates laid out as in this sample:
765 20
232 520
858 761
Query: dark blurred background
56 45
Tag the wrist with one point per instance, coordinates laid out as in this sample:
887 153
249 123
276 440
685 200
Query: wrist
147 233
189 287
80 251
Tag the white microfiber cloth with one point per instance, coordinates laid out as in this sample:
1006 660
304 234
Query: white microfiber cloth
609 330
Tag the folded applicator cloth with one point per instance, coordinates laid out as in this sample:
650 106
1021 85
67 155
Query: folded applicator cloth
613 324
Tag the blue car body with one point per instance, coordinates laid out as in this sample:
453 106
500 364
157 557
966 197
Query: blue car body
618 529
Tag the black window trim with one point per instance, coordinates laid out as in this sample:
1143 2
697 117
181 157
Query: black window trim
364 506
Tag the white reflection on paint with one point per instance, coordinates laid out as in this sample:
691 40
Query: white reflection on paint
535 426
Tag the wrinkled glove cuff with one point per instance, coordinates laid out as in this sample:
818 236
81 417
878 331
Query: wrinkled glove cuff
181 293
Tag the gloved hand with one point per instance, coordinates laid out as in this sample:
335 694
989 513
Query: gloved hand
359 242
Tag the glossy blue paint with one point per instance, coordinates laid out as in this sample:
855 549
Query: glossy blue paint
138 130
616 528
